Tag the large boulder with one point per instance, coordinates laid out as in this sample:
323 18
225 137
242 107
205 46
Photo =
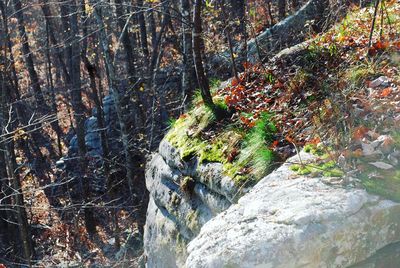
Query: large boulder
296 221
183 197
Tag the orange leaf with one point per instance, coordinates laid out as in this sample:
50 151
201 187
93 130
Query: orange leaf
246 65
386 92
357 153
360 132
314 141
289 139
274 144
235 82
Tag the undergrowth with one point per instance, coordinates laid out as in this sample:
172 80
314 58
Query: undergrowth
255 149
322 95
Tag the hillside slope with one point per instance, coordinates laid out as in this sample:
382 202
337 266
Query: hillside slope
334 96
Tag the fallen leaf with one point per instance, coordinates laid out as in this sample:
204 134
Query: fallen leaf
360 132
386 92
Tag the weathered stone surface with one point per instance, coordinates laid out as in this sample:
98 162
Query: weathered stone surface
386 257
179 206
209 174
171 155
161 239
295 221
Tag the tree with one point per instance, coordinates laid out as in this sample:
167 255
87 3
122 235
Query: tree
79 115
28 57
282 9
187 75
11 170
197 56
129 165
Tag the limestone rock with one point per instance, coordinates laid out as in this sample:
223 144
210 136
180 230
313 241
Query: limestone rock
295 221
181 203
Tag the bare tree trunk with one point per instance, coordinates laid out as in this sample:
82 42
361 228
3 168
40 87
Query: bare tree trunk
187 50
52 39
137 106
65 13
18 200
123 22
6 234
152 26
28 57
7 123
55 125
79 116
143 32
15 97
129 165
197 55
230 43
282 9
239 11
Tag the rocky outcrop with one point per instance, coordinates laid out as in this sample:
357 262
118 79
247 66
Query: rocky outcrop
183 197
296 221
286 220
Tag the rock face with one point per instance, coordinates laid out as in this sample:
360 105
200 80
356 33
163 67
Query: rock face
286 220
294 221
183 197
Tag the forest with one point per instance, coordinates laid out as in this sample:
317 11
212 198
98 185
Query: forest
93 91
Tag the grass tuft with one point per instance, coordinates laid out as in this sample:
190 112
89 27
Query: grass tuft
255 146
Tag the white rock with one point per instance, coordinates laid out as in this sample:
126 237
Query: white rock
296 222
381 165
381 81
368 149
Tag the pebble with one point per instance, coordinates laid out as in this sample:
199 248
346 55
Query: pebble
381 81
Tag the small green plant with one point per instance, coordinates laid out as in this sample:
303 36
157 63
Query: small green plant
255 149
270 78
171 122
215 83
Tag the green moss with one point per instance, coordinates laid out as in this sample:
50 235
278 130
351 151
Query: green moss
388 186
180 244
185 133
396 138
212 153
317 150
328 165
326 169
215 83
192 221
357 74
304 170
335 172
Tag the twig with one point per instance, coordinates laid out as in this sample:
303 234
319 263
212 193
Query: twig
373 23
